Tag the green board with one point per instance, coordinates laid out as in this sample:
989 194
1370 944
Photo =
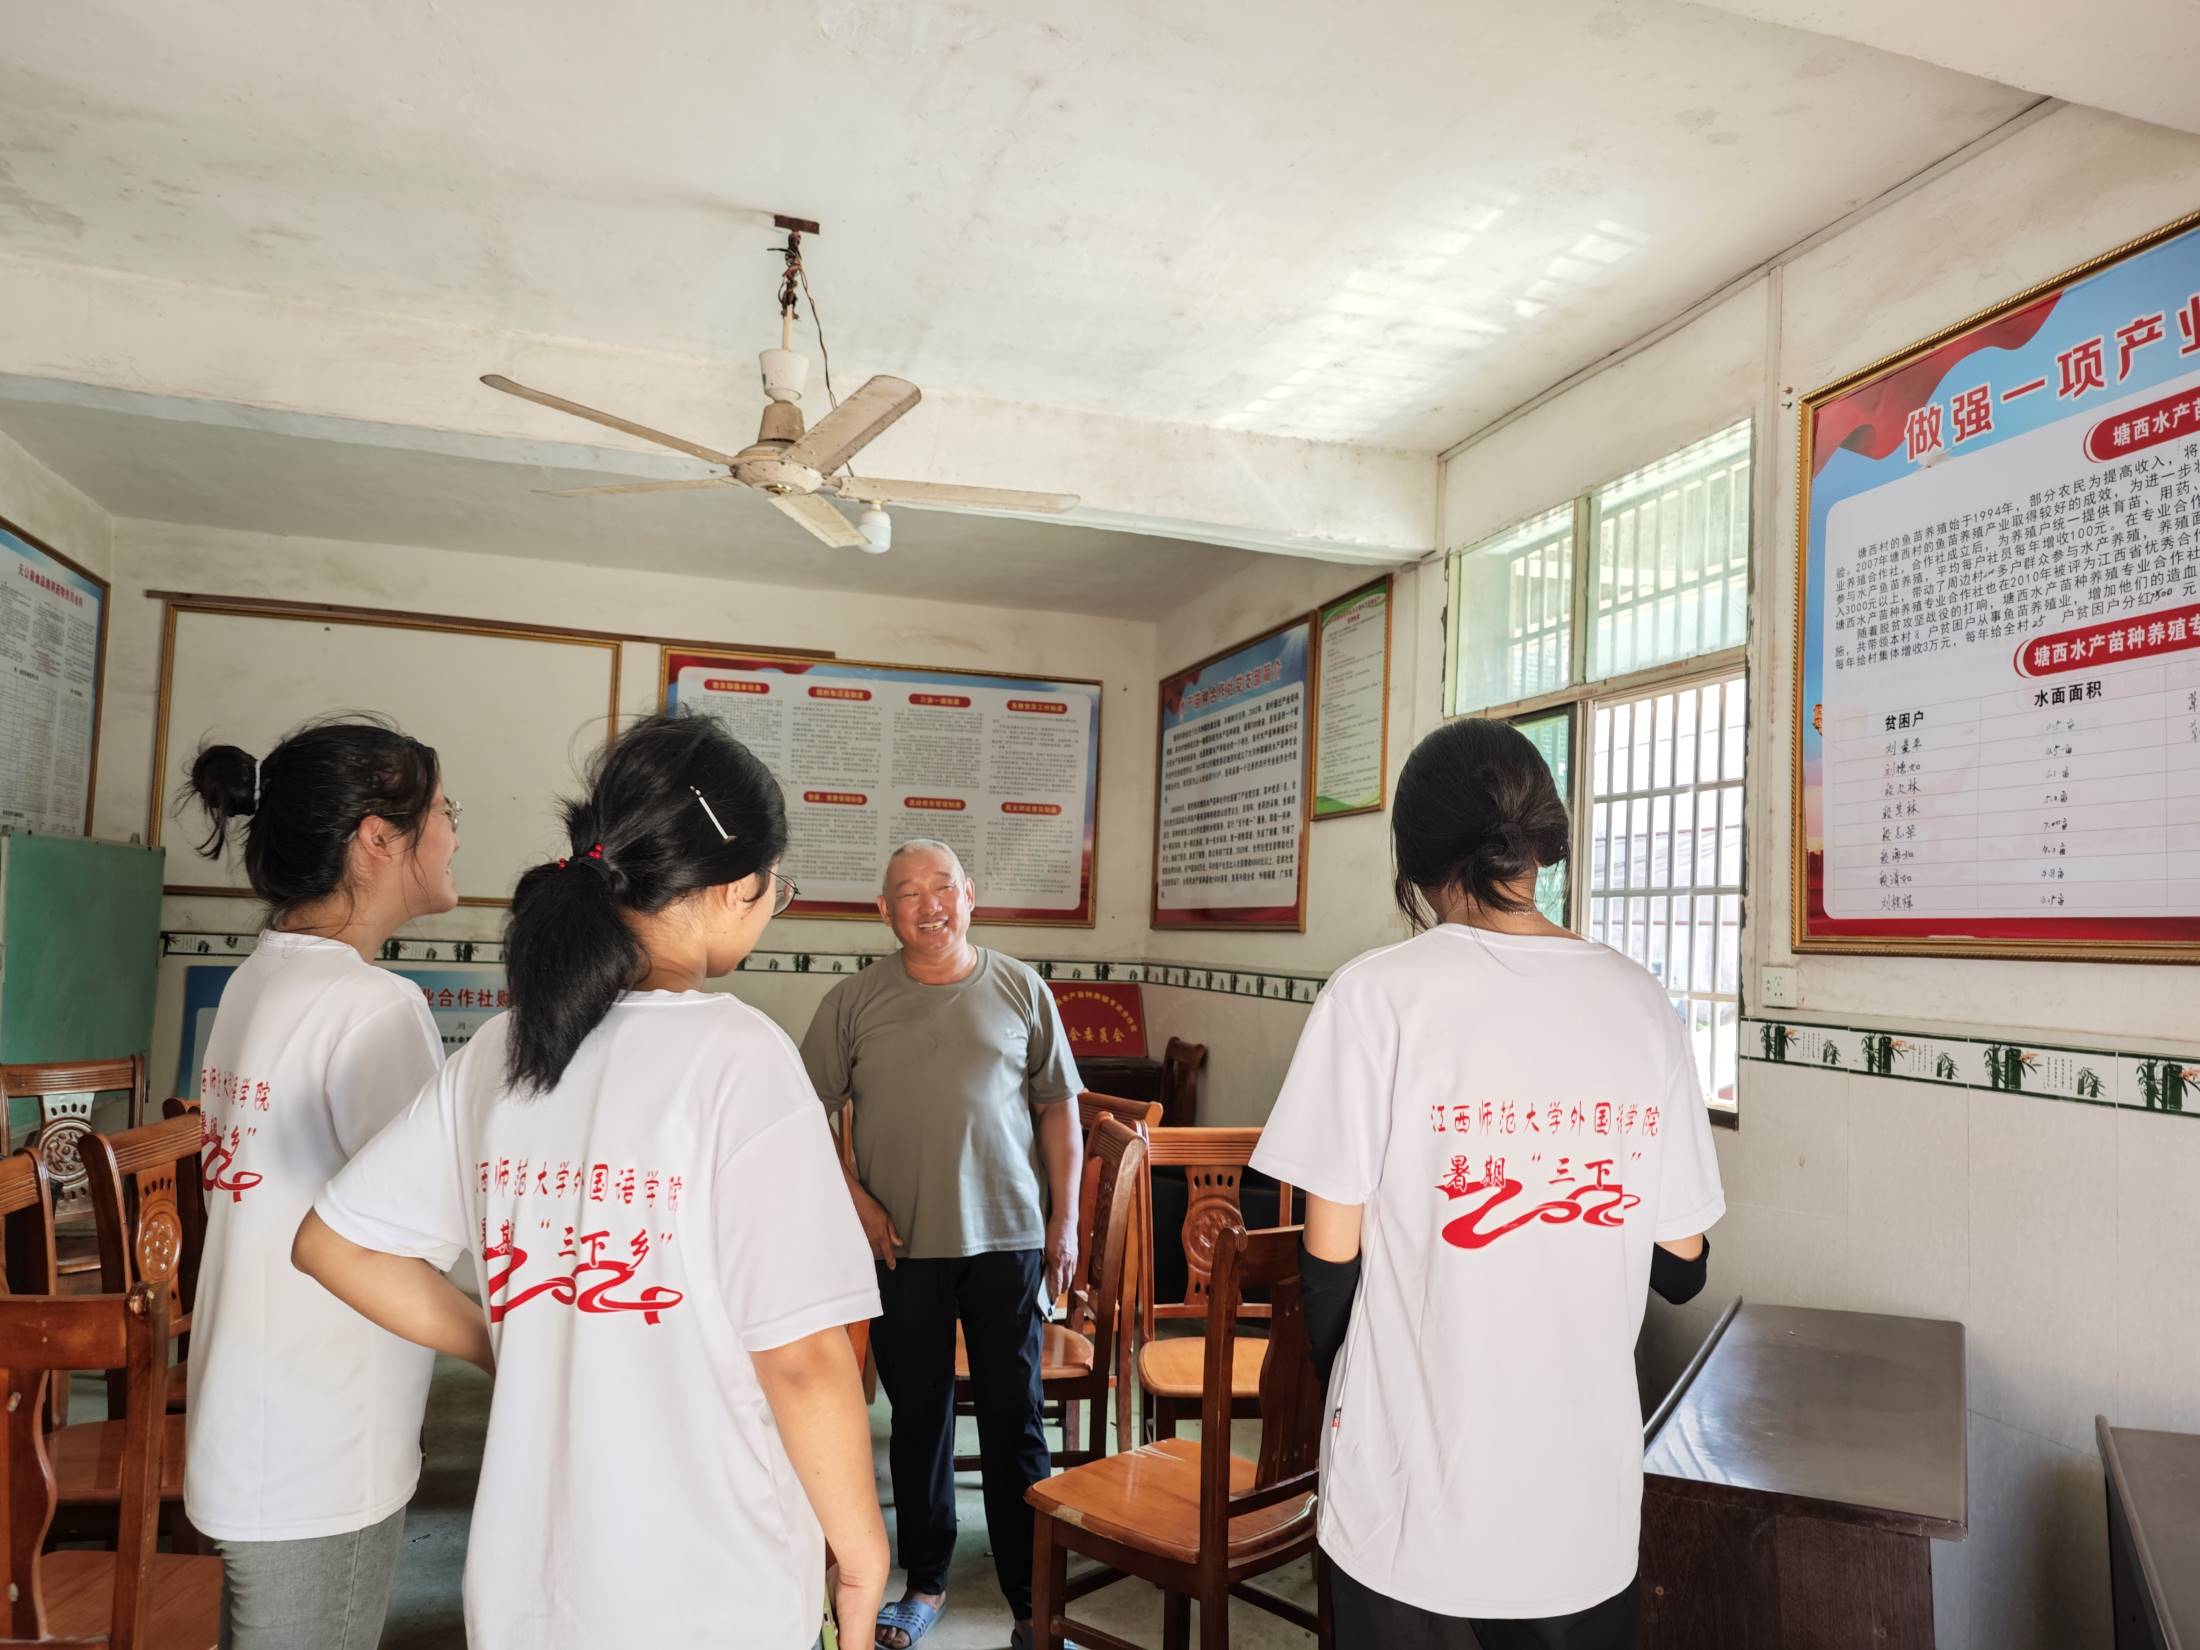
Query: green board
79 947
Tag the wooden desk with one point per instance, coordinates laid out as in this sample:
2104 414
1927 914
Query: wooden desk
2153 1535
1794 1481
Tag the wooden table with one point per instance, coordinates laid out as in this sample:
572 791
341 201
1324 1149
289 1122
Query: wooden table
1795 1479
2153 1535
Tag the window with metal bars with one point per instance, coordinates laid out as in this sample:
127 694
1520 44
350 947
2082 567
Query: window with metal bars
1640 709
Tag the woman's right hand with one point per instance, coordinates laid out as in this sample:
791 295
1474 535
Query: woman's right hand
878 1226
859 1588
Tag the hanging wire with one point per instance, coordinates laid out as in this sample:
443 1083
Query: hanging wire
824 354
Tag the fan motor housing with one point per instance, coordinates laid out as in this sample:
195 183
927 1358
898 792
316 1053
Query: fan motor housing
763 466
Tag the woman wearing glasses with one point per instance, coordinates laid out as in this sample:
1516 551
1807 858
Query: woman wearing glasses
669 1260
303 1423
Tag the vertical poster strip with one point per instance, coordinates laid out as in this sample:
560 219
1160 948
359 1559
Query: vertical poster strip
1352 704
1232 772
53 646
1997 719
1003 769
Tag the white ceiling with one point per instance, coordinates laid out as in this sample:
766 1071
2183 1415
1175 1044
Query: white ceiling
2136 57
143 466
1383 225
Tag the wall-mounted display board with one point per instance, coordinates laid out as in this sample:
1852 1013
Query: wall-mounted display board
1231 786
53 642
1998 614
1004 769
1352 703
513 713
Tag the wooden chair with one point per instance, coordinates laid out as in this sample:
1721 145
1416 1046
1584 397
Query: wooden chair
134 1598
1077 1357
1180 1063
65 1091
1193 1519
129 1175
1172 1370
87 1456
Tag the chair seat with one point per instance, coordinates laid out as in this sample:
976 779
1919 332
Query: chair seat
1177 1367
1149 1498
87 1462
1063 1354
184 1610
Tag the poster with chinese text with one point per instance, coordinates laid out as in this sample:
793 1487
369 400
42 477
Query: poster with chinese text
53 628
1231 780
1003 769
1998 711
1352 703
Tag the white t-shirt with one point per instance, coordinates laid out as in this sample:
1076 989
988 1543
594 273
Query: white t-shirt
1522 1118
303 1418
674 1205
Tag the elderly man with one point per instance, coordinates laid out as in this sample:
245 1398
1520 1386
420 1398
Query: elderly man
966 1163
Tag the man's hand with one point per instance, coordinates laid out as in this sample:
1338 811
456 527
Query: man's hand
1061 1256
878 1226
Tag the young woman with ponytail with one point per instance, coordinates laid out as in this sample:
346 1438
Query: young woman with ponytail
1501 1134
668 1253
302 1428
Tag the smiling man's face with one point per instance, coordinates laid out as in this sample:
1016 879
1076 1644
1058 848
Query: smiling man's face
927 902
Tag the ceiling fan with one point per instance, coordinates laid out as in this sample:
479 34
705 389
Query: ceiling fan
796 468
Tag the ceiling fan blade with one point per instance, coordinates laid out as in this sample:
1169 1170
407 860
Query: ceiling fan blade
816 512
610 421
868 489
855 424
637 487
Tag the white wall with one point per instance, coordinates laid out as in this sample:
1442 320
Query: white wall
49 509
2054 1231
156 556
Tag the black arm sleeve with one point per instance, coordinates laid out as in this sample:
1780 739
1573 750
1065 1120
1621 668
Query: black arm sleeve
1326 1288
1676 1279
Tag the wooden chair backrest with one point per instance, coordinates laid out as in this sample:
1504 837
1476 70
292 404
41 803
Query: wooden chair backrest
1138 1116
1291 1396
1096 1297
26 1225
41 1335
151 1216
1214 1162
1180 1063
60 1132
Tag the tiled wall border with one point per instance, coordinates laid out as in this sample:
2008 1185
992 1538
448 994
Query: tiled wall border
1231 982
2051 1071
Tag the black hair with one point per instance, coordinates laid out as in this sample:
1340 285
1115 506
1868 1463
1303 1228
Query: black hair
1475 811
644 836
305 799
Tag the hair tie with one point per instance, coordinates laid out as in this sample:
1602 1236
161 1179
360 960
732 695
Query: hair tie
255 784
595 852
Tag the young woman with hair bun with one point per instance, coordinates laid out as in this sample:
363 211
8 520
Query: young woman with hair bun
670 1260
1502 1139
302 1427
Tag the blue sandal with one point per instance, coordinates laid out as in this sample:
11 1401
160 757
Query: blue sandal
910 1616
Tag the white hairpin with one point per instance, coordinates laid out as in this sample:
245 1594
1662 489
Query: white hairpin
255 782
724 835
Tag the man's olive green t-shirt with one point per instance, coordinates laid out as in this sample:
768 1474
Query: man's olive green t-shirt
944 1078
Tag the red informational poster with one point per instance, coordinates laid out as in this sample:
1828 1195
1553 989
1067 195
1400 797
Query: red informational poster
1998 615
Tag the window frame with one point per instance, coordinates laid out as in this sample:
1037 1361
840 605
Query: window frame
1583 696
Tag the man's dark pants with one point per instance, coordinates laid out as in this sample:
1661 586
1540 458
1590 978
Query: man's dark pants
996 1298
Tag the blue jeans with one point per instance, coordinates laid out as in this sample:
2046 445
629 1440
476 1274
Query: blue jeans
328 1592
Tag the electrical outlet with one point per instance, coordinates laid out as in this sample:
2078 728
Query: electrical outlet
1776 987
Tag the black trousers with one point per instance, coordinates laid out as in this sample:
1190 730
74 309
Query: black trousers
996 1297
1367 1620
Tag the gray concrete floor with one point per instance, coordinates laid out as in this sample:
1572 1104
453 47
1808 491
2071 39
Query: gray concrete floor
425 1612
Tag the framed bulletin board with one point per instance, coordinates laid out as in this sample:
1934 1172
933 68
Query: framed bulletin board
1233 765
1352 704
1998 623
513 714
53 645
1004 769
